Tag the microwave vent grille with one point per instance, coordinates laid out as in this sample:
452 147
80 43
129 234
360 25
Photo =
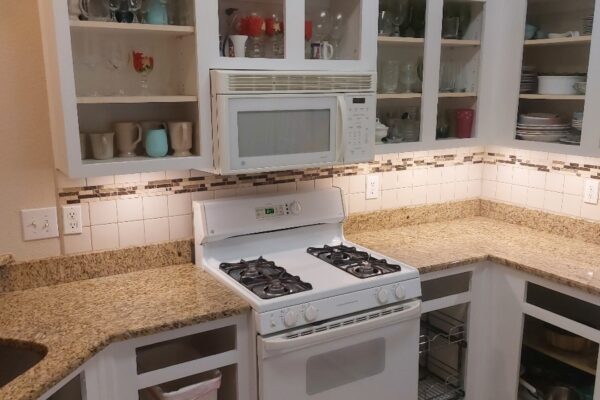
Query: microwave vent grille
300 83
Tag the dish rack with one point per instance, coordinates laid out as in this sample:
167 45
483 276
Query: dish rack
441 347
439 329
445 387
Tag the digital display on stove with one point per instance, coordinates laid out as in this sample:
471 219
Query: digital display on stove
269 211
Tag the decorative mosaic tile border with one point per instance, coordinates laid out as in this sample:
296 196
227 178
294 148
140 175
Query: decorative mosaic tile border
586 167
395 162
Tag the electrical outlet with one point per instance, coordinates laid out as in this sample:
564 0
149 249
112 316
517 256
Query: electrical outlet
372 191
590 191
41 223
72 224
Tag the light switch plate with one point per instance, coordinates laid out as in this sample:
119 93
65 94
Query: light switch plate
590 191
40 223
71 219
372 191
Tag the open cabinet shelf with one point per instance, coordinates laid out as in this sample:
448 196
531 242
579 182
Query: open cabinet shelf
533 96
460 42
136 99
575 360
88 26
579 40
398 96
389 40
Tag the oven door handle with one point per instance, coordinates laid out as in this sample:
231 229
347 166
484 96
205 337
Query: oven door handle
279 343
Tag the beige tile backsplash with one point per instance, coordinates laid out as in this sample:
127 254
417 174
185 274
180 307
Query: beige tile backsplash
136 209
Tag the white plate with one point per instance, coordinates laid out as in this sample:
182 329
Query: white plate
540 138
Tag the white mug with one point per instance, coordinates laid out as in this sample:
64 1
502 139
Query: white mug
326 51
129 134
180 135
239 45
103 145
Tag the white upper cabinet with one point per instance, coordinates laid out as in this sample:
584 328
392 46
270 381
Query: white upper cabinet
149 71
432 59
337 35
102 72
547 48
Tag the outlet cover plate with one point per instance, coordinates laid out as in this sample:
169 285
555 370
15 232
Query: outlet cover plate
590 191
39 223
373 187
71 219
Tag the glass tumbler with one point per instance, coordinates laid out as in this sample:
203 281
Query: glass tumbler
409 79
390 76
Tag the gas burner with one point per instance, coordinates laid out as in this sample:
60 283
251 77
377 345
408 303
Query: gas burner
264 278
355 262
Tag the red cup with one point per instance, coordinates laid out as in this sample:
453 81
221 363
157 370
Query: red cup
308 30
464 123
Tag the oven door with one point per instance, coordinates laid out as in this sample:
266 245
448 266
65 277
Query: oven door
374 355
275 132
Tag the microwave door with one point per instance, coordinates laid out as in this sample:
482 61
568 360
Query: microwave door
277 132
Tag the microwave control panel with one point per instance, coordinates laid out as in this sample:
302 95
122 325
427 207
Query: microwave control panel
359 131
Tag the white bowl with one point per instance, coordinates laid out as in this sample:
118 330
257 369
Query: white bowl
558 84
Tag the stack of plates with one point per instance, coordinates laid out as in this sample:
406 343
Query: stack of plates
577 122
542 127
588 25
529 80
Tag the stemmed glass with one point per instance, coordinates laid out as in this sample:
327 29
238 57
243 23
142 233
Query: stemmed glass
337 33
134 7
143 64
114 6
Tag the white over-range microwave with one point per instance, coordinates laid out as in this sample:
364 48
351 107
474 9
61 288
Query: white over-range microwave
271 121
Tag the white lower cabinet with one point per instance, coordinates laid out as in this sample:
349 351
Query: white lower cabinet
485 329
147 367
489 332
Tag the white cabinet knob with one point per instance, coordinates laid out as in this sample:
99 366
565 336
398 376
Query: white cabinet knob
290 319
383 296
311 313
400 293
295 208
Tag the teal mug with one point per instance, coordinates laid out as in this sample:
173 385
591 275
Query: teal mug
156 12
157 144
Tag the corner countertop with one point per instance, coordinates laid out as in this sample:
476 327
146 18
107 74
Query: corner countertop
74 321
442 245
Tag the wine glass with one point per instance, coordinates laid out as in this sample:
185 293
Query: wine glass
134 7
114 6
337 33
143 64
322 25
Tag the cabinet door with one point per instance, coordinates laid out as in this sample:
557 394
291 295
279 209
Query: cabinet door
559 344
334 35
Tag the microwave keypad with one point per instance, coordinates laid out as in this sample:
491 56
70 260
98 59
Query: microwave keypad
358 131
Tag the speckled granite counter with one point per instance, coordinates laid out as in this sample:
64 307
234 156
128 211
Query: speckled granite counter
441 245
76 320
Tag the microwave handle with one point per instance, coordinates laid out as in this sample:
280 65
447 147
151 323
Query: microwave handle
341 133
280 343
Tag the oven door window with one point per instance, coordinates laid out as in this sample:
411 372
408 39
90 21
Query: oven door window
340 367
280 131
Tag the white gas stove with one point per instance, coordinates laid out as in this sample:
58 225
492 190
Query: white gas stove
333 320
286 255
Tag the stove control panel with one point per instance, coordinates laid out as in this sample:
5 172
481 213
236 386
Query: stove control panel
278 210
335 307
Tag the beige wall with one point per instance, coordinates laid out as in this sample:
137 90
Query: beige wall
26 164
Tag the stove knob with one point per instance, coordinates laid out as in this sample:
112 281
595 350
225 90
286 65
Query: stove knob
290 319
311 313
383 296
295 208
400 293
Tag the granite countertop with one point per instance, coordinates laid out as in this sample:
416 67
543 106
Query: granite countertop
437 246
74 321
